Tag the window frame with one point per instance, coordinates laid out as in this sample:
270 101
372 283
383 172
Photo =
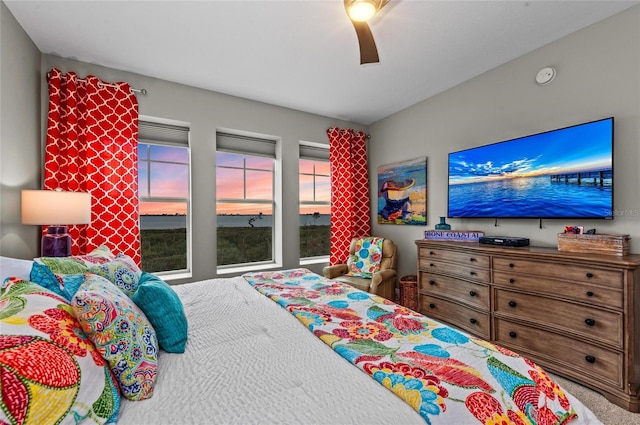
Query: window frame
257 146
315 152
168 139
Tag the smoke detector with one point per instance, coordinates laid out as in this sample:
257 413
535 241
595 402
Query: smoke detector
545 75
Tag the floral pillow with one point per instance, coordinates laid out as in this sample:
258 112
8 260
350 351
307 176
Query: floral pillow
51 372
77 263
63 275
121 333
122 272
64 285
366 258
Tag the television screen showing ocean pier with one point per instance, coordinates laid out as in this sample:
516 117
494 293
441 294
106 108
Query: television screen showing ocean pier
563 173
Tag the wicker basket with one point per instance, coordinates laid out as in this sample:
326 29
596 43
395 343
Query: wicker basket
409 291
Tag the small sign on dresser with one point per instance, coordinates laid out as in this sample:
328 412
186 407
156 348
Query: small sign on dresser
454 235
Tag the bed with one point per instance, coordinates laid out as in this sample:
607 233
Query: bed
291 347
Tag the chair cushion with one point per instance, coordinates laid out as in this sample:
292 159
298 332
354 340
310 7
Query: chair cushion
366 257
357 282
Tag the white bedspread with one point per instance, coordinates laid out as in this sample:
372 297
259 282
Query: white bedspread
249 361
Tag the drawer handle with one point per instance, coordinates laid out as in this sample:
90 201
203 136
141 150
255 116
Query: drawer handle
473 321
512 334
473 273
432 305
590 359
512 280
473 293
589 294
590 322
431 265
512 304
432 282
432 253
512 265
472 259
589 275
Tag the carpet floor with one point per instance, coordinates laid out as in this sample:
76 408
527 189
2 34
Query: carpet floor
607 412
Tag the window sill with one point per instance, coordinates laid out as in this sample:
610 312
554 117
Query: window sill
247 268
166 276
314 260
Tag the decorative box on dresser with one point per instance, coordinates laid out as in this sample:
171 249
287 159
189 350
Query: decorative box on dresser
577 315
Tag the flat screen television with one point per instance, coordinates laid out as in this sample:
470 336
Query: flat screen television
563 173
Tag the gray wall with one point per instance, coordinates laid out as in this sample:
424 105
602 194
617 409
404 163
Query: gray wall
598 76
203 110
20 153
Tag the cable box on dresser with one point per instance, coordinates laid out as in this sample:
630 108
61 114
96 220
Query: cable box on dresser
575 314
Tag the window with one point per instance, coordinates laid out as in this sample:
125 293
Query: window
315 200
163 190
245 202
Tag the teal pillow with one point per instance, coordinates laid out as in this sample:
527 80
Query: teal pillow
163 308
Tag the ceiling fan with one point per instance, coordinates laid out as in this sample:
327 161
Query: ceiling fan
359 12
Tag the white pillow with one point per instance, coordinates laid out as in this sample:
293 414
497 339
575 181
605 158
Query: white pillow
14 267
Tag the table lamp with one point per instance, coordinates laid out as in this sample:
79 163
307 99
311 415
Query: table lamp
56 209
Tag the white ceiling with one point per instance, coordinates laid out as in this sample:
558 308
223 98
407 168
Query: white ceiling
304 54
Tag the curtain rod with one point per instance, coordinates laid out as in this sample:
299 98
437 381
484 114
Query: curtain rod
100 84
143 91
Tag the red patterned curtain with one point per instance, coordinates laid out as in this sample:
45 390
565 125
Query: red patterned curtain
350 206
92 146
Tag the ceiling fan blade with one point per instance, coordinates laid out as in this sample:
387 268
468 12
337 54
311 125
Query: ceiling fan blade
368 49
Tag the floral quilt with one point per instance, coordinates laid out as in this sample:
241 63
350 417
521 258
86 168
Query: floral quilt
447 376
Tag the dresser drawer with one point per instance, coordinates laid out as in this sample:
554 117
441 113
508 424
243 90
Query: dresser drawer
455 256
464 271
586 321
472 321
598 295
575 314
587 360
575 273
473 294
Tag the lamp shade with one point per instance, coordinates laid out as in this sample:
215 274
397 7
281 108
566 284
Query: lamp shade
55 207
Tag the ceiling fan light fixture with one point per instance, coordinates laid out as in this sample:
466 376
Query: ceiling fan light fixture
362 10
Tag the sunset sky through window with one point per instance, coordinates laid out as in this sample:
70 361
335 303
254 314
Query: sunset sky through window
163 171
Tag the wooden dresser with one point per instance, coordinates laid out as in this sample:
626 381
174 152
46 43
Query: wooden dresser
577 315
